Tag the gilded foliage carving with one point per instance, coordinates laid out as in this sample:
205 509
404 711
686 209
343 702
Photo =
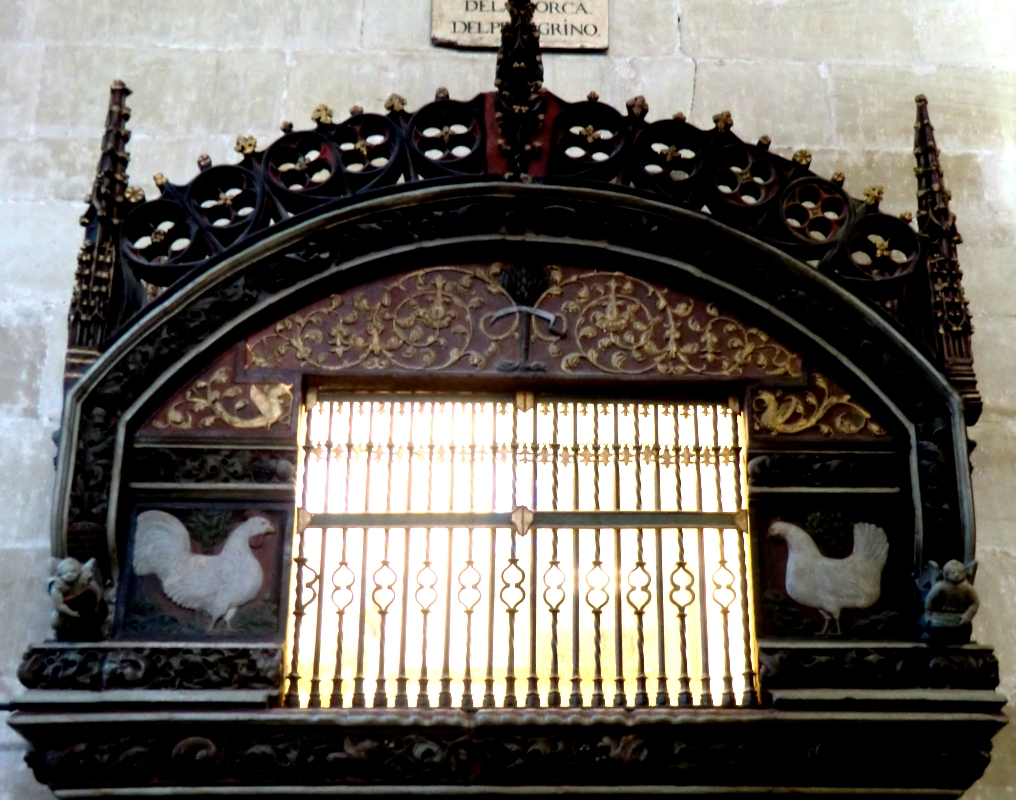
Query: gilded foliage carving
424 320
218 400
823 407
624 325
460 317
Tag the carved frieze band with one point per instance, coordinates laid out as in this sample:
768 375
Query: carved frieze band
824 408
154 667
462 319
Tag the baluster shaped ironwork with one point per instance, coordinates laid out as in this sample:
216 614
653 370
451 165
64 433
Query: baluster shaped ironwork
724 596
682 595
342 595
512 595
638 597
750 696
383 597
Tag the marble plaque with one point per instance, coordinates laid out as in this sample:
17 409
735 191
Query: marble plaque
564 24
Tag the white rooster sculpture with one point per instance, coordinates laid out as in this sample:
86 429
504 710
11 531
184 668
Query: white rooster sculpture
832 584
217 584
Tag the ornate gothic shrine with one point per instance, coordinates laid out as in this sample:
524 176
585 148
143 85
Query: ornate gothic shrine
513 446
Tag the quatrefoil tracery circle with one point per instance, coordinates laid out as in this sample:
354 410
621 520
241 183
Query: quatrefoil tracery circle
225 197
589 133
745 177
445 132
815 211
367 144
882 248
304 163
670 153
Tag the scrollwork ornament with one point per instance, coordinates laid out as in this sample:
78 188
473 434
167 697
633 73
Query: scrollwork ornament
828 409
217 399
623 325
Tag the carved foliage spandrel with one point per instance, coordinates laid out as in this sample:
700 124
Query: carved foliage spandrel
823 409
215 400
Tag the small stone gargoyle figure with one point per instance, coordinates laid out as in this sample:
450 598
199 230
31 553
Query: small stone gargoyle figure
79 608
950 602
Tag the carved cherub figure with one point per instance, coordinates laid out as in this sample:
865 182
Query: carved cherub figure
78 605
951 602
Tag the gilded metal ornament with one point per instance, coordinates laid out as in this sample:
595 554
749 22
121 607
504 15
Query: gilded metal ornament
218 400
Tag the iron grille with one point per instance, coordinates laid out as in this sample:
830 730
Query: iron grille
580 547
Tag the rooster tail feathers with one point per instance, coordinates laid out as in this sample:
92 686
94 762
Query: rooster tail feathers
870 543
159 541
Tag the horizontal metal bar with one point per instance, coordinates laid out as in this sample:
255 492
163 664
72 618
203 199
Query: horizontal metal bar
541 519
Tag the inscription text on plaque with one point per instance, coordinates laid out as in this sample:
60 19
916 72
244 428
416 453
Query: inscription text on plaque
563 24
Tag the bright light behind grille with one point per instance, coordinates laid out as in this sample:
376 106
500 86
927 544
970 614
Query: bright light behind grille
448 616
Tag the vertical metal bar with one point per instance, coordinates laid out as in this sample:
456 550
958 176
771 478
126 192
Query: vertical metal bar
619 697
402 682
444 699
314 700
554 694
335 701
425 596
641 694
488 691
727 698
292 699
721 588
575 700
510 700
343 568
681 568
706 697
662 695
532 691
750 695
469 569
597 700
359 699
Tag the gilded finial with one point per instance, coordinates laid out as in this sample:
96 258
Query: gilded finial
134 194
764 141
245 145
679 116
637 106
441 94
322 114
907 217
592 97
395 103
802 157
355 111
286 126
838 178
160 179
873 195
204 161
723 121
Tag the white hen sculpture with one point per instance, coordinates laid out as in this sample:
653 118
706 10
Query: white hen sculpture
832 584
218 584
